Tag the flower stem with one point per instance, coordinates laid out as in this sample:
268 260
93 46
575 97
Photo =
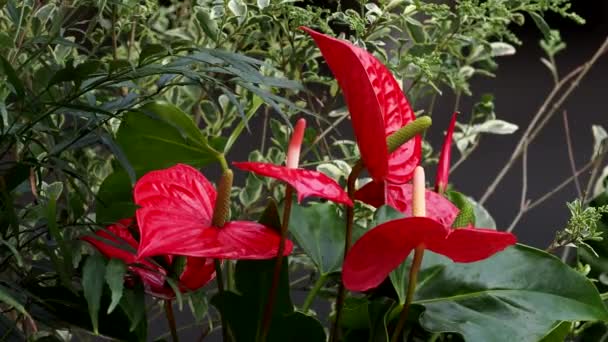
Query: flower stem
171 320
276 276
411 288
350 218
220 289
313 292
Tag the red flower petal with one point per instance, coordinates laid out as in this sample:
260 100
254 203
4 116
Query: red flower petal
120 243
372 193
368 93
181 187
306 182
472 244
383 248
235 240
443 167
400 197
372 93
197 273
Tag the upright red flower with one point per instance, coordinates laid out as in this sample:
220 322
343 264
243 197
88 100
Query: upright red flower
116 241
305 182
175 217
380 250
399 196
377 106
443 167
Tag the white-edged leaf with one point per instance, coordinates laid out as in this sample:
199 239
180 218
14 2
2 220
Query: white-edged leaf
600 138
502 49
494 126
263 4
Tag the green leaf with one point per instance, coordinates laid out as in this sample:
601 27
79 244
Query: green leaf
208 24
160 135
56 306
263 3
255 105
6 298
483 218
115 199
559 332
92 284
526 287
133 304
12 78
115 275
320 231
244 311
541 24
198 304
366 319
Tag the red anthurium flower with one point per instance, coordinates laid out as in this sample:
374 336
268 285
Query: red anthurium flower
175 214
377 106
305 182
399 196
443 167
116 241
383 248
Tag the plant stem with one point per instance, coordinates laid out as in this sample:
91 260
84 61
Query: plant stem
220 289
411 288
171 320
230 284
276 276
313 292
350 217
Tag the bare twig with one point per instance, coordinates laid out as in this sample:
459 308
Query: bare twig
597 163
524 202
533 129
563 184
571 155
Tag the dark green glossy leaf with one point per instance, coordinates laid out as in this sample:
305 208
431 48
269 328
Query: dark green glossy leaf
12 78
208 25
133 303
160 135
244 311
483 218
115 274
559 332
524 286
115 199
320 231
59 307
92 284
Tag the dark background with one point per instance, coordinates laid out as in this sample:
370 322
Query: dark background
521 85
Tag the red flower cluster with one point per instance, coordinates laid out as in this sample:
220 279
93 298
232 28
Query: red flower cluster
378 108
174 218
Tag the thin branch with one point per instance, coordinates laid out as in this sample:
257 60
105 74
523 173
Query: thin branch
523 203
571 154
533 129
597 162
324 133
562 185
